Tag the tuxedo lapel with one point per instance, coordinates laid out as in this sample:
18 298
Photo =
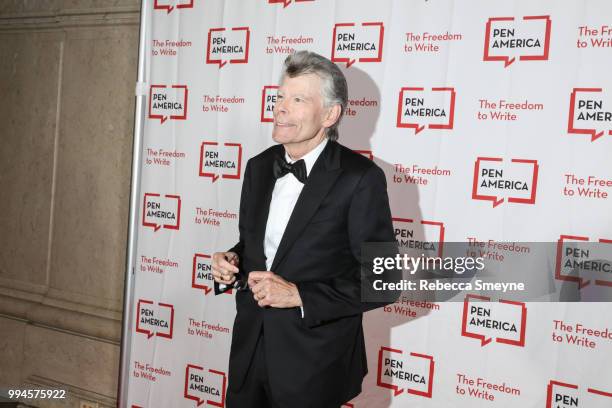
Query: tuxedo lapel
320 180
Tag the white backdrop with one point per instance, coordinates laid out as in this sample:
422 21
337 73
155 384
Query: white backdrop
491 120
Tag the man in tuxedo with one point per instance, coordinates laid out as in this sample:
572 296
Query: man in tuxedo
307 205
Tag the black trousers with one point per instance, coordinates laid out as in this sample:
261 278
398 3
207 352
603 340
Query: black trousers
255 392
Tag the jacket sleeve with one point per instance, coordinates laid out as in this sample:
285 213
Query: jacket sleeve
239 247
369 220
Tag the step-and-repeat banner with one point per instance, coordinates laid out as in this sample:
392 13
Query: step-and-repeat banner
493 123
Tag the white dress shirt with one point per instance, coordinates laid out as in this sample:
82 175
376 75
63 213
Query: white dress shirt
284 196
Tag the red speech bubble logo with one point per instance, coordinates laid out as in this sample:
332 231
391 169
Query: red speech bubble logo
418 111
561 248
170 5
205 386
232 47
364 44
226 161
201 271
154 321
479 176
584 114
158 213
285 3
167 102
484 339
423 363
564 395
201 275
430 228
504 39
268 100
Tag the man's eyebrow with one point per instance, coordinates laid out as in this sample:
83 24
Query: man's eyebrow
303 96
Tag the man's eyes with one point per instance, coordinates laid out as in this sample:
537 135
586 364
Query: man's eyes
296 99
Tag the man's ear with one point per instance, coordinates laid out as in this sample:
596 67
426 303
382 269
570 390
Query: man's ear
332 116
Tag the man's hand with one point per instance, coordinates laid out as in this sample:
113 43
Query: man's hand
269 289
224 267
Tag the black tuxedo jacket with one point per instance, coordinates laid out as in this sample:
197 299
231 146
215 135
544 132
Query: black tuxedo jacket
318 360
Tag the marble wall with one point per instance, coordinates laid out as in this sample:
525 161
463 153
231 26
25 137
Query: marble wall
67 77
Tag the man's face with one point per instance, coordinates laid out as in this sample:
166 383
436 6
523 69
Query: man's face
299 113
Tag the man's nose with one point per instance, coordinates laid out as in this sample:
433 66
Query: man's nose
280 106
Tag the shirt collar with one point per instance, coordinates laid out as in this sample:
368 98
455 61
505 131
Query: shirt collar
311 157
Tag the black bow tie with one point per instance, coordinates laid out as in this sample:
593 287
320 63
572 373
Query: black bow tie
281 167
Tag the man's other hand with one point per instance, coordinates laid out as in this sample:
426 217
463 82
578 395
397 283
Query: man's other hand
225 267
269 289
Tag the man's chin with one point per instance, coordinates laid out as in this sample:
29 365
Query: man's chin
280 138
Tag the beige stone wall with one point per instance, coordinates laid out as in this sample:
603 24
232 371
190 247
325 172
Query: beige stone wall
67 76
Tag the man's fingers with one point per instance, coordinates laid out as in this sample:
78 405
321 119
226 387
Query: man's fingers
232 259
256 277
224 264
225 261
226 279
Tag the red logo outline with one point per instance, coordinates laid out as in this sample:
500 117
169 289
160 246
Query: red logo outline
570 122
483 339
496 201
508 61
169 8
287 2
222 63
349 61
156 226
148 332
173 117
581 282
263 119
415 126
198 400
553 383
215 176
425 222
396 389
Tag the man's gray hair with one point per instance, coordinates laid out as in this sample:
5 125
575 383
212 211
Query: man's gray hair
334 89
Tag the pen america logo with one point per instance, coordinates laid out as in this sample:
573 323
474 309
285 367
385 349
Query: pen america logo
218 160
419 108
412 373
583 262
285 3
201 275
168 102
228 45
409 236
508 39
353 42
161 212
268 100
505 321
498 181
169 5
564 395
589 113
205 386
154 319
